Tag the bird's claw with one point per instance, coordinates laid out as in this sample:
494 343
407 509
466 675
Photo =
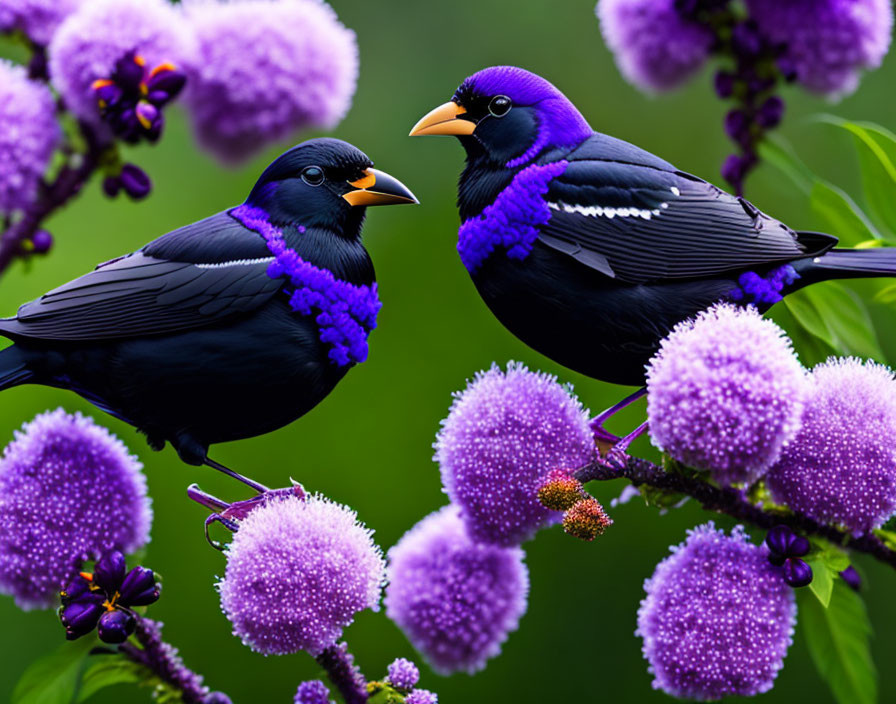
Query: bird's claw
616 458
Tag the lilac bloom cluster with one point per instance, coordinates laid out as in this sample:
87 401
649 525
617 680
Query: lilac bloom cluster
503 435
763 290
841 466
512 221
28 136
267 68
297 572
69 492
312 692
455 599
36 19
717 619
103 599
346 313
725 393
563 126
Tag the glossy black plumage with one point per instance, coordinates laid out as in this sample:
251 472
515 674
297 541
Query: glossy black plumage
632 245
189 339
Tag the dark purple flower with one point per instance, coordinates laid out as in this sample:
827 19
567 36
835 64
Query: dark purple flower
841 466
783 542
797 572
115 626
852 578
717 619
80 616
827 42
29 135
771 112
725 393
504 434
456 600
655 46
266 70
297 573
724 84
135 182
69 491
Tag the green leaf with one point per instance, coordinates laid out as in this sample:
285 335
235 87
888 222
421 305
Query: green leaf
838 639
822 584
807 315
847 319
108 670
53 679
887 536
776 150
840 214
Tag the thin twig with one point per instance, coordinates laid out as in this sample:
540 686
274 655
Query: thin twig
730 502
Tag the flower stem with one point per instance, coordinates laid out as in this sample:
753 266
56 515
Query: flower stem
731 502
162 660
343 673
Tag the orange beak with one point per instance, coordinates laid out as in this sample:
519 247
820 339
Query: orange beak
445 119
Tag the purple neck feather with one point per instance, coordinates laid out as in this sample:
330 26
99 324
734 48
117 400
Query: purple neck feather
512 221
344 312
753 289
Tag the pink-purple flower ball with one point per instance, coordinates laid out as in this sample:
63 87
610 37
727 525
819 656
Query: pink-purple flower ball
298 570
267 68
828 42
841 467
656 48
90 41
28 136
725 393
37 19
69 491
402 673
455 599
718 617
312 692
503 435
421 696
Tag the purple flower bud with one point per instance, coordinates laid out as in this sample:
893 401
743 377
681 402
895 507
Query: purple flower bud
421 696
135 181
165 82
779 539
139 585
80 617
734 168
403 673
111 186
771 112
737 126
852 578
799 546
42 241
797 572
109 571
75 589
147 114
724 84
129 71
312 692
746 40
107 94
116 626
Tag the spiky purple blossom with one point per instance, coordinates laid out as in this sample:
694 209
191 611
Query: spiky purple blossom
503 435
718 618
828 42
841 467
297 572
267 68
455 599
28 136
90 41
421 696
403 673
725 393
312 692
37 19
655 47
69 491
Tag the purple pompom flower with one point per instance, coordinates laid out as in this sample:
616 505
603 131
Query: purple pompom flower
312 692
297 572
456 600
421 696
725 393
92 40
267 68
403 673
656 48
828 42
717 619
69 491
28 136
37 19
504 434
841 467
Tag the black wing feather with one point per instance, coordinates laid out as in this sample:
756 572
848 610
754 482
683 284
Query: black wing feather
219 269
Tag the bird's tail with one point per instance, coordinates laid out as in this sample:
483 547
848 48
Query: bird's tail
13 368
848 264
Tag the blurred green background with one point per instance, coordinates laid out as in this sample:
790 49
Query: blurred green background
369 444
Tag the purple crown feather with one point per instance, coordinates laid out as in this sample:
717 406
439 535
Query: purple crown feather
345 312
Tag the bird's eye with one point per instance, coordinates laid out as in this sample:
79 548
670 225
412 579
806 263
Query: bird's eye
313 175
500 105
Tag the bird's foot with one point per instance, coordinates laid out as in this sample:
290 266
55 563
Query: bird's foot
617 456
